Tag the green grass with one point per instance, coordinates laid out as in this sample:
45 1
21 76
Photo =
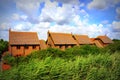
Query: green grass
78 63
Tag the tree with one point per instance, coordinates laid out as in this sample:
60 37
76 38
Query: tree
3 46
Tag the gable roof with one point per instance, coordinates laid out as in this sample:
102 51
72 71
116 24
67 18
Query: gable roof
62 38
23 38
43 44
92 40
105 39
82 39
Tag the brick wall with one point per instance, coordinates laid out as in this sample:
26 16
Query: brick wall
22 50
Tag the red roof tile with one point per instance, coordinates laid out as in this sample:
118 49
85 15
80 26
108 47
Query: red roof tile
105 39
22 38
43 44
62 38
92 40
82 39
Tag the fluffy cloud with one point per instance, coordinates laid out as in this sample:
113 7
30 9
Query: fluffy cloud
116 26
84 13
28 6
97 4
41 28
73 2
25 26
31 8
53 13
102 4
61 15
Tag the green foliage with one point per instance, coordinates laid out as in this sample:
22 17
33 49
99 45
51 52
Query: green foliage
77 63
3 46
114 47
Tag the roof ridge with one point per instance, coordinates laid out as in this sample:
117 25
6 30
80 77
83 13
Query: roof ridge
80 34
58 33
22 32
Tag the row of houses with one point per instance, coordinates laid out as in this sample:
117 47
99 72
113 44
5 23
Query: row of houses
23 43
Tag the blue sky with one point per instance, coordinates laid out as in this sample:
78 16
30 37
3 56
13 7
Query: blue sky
91 17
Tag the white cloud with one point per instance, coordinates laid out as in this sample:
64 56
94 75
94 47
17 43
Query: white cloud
25 26
72 2
84 13
42 25
61 15
17 17
116 26
28 6
52 13
82 5
41 28
105 22
102 4
98 4
64 28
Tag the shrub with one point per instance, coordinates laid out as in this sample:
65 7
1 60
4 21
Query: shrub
112 48
80 62
98 74
115 70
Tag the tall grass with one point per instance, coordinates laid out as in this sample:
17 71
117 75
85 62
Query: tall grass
78 63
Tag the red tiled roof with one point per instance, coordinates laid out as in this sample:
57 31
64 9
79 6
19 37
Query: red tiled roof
105 39
22 38
82 39
92 40
99 44
43 44
62 38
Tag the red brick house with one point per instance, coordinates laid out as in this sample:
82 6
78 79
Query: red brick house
102 41
60 40
23 43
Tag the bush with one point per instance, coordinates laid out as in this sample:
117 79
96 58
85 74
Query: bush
77 63
112 48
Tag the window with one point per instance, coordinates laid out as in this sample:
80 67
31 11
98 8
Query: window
26 47
34 47
72 45
60 46
18 47
66 46
49 45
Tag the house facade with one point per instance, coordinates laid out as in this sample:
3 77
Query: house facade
23 43
60 40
